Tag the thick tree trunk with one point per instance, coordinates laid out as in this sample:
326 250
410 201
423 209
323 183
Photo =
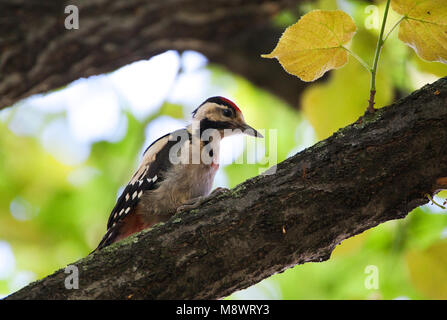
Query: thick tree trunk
37 52
375 170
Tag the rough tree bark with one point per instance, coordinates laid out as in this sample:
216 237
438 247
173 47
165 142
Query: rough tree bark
375 170
38 54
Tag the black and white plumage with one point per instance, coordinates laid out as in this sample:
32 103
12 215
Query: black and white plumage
171 173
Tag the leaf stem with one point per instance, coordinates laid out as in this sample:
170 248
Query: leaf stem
362 62
379 46
434 202
394 27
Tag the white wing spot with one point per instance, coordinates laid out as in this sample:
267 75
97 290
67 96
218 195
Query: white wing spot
127 196
134 195
127 210
121 212
140 194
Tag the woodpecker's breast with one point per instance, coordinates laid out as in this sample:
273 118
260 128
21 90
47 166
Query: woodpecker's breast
181 182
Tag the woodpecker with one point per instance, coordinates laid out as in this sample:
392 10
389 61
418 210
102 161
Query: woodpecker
176 171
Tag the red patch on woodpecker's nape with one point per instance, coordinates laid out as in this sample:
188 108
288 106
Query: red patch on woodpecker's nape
231 103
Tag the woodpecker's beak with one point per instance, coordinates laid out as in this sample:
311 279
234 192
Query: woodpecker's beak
250 131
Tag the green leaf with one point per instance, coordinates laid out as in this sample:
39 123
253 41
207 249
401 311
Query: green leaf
173 110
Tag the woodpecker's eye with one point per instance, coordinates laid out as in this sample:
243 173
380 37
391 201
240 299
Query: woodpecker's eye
227 112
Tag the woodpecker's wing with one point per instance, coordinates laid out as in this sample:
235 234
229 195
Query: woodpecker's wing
150 172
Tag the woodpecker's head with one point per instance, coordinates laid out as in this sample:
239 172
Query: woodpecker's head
221 113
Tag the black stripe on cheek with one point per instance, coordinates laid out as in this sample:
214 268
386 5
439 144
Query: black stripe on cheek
210 124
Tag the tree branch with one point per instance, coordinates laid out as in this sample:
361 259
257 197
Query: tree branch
375 170
38 54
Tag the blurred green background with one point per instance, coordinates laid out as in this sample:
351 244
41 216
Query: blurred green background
65 157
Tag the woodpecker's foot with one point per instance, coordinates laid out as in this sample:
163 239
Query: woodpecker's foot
191 204
196 202
217 191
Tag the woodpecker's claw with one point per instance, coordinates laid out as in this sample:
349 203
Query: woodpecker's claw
196 202
186 207
218 190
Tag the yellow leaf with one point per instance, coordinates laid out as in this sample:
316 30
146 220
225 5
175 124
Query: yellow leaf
428 270
314 44
424 27
350 245
435 68
333 104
